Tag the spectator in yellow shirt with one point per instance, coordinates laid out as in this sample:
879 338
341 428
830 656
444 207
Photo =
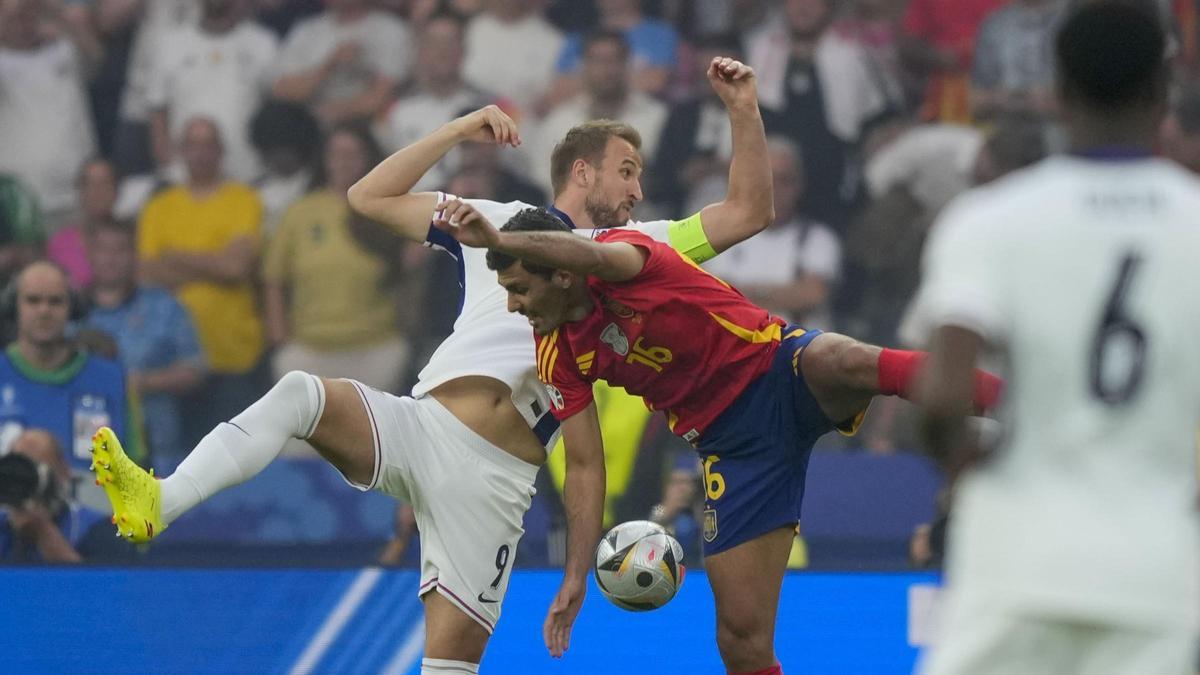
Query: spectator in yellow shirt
330 278
201 240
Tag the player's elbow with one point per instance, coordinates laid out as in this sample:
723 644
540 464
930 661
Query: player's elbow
763 216
755 215
364 201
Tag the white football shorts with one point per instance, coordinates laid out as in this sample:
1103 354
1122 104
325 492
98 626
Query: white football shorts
469 498
979 640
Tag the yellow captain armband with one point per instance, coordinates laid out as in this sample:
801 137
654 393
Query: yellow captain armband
687 236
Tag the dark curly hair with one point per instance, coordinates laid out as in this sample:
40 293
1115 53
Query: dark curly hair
528 220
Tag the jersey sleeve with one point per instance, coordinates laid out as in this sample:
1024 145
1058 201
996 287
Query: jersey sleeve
962 279
439 240
493 211
569 391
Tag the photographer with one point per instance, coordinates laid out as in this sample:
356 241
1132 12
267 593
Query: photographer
38 519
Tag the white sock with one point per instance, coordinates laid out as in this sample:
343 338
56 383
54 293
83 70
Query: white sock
238 450
447 667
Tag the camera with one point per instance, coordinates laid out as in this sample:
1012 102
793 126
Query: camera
22 479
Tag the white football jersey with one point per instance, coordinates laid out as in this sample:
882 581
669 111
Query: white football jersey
1085 275
487 339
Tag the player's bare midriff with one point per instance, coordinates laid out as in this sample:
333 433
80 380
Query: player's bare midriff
485 405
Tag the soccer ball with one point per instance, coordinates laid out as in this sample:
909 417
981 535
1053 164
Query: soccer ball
638 566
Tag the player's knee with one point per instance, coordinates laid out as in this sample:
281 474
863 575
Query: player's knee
856 359
843 360
295 401
744 642
296 381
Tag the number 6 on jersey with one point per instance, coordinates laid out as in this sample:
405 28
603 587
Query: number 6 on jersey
1119 349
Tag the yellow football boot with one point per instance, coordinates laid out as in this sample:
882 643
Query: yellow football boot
134 493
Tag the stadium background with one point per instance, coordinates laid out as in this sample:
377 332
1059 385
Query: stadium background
880 111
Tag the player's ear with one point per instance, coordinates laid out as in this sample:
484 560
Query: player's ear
562 279
581 172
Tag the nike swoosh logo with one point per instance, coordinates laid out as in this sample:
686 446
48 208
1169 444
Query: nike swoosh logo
488 600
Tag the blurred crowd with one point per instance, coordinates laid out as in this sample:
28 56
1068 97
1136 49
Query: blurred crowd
184 163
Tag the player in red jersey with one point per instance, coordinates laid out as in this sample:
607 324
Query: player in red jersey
751 393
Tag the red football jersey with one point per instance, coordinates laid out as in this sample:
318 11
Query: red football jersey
682 339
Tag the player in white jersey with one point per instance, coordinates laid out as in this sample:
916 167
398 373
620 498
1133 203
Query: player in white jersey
465 448
1074 544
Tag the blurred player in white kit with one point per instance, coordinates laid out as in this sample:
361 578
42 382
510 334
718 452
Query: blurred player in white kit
1075 544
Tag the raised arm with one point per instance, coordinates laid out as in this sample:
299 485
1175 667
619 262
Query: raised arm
583 496
611 261
749 204
385 194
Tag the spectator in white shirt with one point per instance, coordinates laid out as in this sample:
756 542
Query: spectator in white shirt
608 93
346 62
440 96
219 69
46 54
511 50
791 267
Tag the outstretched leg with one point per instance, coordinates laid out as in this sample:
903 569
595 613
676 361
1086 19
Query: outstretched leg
330 414
333 416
